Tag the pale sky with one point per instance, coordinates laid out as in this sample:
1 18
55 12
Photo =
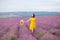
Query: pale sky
29 5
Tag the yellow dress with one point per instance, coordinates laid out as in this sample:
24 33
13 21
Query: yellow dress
32 23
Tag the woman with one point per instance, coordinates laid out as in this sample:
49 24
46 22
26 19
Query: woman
32 20
32 23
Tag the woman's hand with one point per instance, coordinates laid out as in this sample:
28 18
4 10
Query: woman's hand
21 22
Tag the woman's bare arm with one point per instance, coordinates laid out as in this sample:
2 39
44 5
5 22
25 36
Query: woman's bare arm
28 20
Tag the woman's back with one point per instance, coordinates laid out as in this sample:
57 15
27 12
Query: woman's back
32 20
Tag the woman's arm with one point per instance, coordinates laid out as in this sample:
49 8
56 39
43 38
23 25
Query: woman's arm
28 20
22 21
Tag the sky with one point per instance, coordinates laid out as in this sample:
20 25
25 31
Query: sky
29 5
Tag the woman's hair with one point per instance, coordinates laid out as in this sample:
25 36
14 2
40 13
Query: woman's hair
33 15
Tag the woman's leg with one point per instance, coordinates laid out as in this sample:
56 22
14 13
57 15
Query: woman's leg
32 30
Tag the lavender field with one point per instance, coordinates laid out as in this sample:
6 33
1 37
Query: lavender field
48 28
